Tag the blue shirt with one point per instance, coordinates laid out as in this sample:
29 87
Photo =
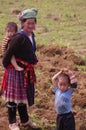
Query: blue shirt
63 101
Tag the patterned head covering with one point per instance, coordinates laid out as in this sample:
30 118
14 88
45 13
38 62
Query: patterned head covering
27 14
71 75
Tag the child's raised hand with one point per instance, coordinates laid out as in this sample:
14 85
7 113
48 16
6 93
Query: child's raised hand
71 75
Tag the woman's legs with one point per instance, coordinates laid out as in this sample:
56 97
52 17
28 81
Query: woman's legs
12 116
22 109
11 112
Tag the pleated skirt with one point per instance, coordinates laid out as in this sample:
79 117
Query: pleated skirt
15 90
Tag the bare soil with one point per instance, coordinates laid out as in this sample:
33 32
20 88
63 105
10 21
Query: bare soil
51 59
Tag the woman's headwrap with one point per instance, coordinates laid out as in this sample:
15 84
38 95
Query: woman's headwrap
27 14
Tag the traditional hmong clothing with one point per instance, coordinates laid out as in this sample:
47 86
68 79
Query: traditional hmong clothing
15 89
4 44
19 85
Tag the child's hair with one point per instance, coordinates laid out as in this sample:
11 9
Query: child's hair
64 76
12 25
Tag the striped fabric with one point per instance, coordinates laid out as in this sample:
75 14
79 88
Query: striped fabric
4 43
15 90
28 68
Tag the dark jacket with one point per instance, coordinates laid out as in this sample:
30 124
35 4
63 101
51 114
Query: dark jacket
21 47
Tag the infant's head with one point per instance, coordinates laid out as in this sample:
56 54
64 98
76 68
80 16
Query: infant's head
11 29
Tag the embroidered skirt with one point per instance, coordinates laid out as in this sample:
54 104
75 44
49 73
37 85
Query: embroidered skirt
15 90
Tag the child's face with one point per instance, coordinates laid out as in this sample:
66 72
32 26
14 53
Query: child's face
63 84
10 32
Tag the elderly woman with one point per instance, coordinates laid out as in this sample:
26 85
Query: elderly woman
18 86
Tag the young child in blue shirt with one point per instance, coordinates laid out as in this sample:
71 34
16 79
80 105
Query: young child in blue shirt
65 83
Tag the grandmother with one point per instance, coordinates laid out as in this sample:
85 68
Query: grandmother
18 86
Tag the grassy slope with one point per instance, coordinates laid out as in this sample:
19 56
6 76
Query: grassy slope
59 21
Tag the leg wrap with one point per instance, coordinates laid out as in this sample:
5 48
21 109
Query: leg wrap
11 112
22 109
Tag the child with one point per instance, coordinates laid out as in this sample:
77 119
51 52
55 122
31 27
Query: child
11 29
63 92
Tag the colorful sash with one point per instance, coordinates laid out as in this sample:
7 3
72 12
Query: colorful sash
28 68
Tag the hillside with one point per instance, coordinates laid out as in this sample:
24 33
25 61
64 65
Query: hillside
51 59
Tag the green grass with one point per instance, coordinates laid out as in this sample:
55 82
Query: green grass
69 29
81 68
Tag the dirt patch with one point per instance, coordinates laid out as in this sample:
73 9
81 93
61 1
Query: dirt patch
52 59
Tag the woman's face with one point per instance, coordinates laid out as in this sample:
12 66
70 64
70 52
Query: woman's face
29 26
